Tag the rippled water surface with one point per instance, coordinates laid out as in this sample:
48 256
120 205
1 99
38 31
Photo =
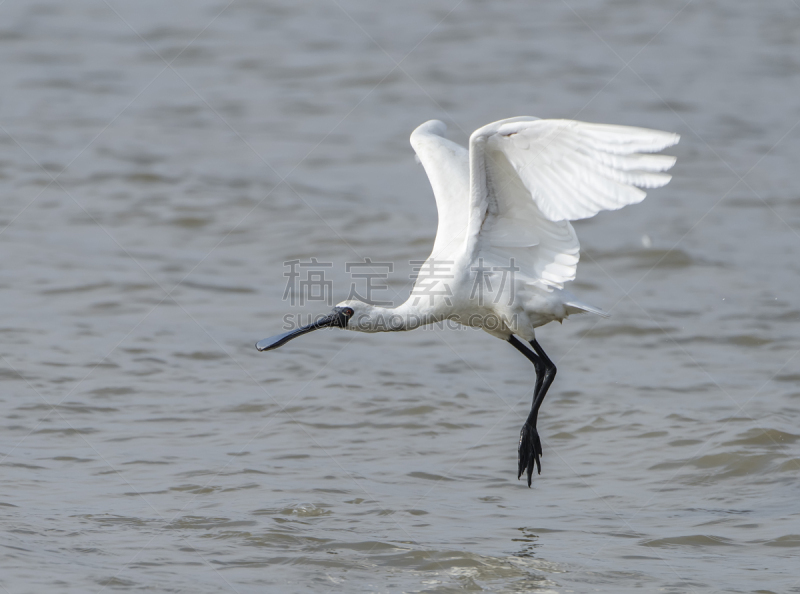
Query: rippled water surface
160 161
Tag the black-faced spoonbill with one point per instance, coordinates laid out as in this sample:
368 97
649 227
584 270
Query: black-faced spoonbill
504 237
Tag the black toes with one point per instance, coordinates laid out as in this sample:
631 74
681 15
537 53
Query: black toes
530 450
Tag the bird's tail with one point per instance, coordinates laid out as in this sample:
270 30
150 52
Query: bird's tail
574 306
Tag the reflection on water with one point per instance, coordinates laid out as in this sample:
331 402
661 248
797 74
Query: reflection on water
159 162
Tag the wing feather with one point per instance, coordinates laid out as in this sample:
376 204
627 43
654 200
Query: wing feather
530 177
447 166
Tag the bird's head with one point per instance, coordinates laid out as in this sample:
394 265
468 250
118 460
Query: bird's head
361 312
370 318
338 318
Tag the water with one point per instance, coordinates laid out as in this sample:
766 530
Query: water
159 162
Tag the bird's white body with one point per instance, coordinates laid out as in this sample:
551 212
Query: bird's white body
504 245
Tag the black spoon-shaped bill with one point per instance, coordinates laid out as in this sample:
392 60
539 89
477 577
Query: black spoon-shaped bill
337 319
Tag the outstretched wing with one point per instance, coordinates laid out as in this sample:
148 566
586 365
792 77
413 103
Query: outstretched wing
530 177
447 166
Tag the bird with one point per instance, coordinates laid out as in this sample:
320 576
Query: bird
505 247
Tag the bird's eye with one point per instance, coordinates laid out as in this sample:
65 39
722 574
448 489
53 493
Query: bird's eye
348 311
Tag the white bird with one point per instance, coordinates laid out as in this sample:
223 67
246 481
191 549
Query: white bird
504 246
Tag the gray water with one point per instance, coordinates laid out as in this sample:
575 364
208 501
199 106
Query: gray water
160 161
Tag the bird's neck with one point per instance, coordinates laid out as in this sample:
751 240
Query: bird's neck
406 316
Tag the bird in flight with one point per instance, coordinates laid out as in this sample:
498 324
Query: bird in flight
504 246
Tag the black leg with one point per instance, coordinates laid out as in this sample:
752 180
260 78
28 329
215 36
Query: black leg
530 446
549 376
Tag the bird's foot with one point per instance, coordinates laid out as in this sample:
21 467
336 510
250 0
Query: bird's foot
530 449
